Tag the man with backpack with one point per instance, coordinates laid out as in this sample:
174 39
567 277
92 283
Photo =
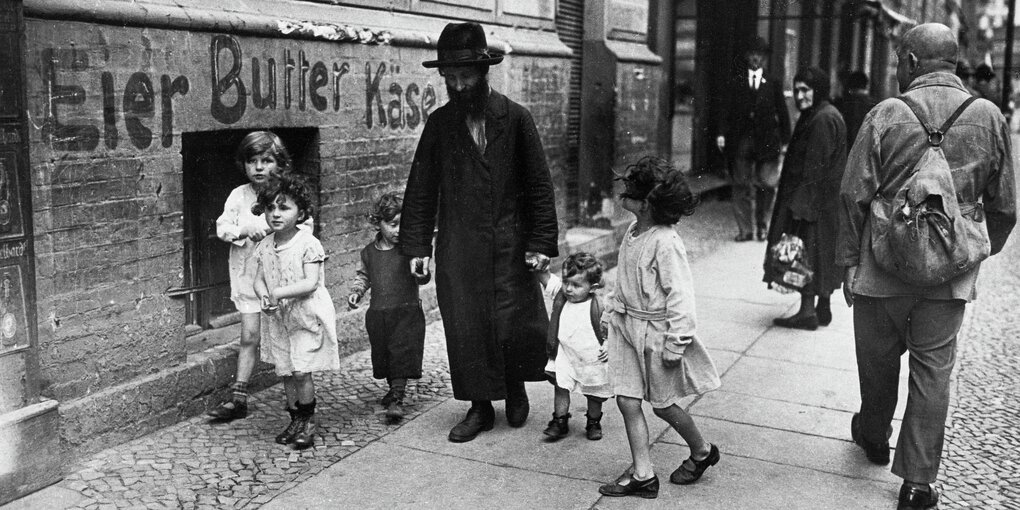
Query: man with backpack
921 205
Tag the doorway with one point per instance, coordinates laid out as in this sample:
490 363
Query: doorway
210 174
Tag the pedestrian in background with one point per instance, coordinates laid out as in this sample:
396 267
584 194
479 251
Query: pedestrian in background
576 343
986 84
299 321
260 155
854 104
753 131
655 354
892 316
805 207
480 171
395 321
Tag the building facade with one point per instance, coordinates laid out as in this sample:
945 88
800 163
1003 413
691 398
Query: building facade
122 124
838 36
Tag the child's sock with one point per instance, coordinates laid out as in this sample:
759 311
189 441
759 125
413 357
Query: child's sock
240 391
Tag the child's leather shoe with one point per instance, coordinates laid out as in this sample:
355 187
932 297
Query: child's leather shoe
229 411
626 485
287 436
593 430
685 474
558 428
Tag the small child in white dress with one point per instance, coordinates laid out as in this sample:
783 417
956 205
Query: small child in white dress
298 317
577 356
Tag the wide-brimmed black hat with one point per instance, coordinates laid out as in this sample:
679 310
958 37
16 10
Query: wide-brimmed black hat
463 44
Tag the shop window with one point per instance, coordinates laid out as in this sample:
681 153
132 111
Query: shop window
209 176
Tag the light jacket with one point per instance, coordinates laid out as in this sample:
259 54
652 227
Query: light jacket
890 142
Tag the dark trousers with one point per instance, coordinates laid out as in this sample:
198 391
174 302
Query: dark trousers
754 188
885 328
397 337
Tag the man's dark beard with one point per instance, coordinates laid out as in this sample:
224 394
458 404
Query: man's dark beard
471 101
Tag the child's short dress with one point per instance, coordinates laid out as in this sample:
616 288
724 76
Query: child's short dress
577 366
301 335
237 218
395 321
651 309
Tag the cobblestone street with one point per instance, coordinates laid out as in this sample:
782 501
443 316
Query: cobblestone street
199 465
196 464
981 466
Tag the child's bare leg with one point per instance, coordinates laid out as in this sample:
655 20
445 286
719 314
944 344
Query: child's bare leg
290 390
561 402
684 424
304 387
249 348
637 436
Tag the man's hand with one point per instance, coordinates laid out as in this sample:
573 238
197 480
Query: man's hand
720 141
603 354
420 266
848 283
536 261
352 300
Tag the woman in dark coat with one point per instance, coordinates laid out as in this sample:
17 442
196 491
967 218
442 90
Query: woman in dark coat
806 200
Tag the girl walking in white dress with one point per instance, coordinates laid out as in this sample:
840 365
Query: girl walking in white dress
298 321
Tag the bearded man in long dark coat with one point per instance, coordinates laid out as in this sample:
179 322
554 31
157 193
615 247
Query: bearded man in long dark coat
480 165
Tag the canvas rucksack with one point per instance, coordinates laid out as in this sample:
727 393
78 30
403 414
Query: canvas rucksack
923 233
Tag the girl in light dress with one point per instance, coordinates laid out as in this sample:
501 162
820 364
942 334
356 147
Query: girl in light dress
260 155
298 321
655 354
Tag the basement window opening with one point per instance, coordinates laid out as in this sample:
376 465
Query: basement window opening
210 174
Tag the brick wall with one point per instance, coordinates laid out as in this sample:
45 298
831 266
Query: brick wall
109 105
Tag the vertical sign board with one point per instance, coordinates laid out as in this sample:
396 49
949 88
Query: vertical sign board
17 277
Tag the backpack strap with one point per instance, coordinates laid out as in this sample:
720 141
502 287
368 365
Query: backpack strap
936 136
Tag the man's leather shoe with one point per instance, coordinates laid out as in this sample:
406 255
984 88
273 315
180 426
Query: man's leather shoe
912 498
626 485
517 406
478 419
763 235
808 322
740 238
876 453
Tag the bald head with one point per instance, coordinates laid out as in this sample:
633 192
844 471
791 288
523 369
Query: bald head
924 49
933 42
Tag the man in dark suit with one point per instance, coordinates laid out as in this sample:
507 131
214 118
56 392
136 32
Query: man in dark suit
753 131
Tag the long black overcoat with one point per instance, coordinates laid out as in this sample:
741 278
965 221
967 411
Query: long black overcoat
491 208
807 198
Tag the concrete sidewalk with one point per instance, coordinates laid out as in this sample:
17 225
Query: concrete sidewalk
781 420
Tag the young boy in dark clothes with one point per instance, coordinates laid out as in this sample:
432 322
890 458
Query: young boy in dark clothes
395 321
